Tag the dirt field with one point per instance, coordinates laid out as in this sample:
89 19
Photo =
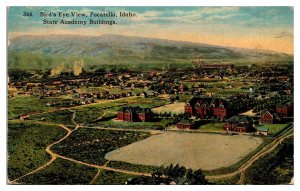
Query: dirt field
173 108
249 113
192 150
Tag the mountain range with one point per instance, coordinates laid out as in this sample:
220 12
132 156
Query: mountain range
48 51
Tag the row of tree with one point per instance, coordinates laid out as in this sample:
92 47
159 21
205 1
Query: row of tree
171 175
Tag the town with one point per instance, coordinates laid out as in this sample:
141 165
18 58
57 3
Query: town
210 93
251 105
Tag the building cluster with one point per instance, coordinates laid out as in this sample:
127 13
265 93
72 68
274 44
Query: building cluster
208 107
269 93
134 114
200 108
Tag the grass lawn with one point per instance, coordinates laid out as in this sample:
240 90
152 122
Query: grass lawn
184 98
136 125
87 115
21 105
212 127
148 102
229 92
275 128
26 146
61 172
133 167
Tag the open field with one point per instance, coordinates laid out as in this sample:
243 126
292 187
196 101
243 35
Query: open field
91 145
275 128
212 127
133 167
21 105
225 92
26 146
111 90
61 172
87 115
205 151
58 117
136 125
173 108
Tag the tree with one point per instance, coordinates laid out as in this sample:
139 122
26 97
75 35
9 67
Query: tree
199 177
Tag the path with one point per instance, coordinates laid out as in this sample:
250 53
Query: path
102 167
267 149
242 177
98 173
53 157
257 156
73 117
123 129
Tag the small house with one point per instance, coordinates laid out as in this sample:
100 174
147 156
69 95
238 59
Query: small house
261 130
186 124
239 124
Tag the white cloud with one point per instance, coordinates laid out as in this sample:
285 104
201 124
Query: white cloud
222 17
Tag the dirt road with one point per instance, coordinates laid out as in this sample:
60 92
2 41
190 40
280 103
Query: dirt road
53 157
269 148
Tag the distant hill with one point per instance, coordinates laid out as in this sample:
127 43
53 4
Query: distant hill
48 51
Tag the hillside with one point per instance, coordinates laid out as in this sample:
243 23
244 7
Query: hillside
48 51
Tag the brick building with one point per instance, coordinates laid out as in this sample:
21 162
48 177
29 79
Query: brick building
269 117
207 107
186 124
284 109
134 114
239 124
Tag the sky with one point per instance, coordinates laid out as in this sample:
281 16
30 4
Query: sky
270 28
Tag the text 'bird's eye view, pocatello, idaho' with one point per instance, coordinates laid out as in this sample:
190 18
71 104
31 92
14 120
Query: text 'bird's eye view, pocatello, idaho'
136 95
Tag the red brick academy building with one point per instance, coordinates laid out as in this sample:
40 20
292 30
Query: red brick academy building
284 109
204 107
134 114
266 117
239 124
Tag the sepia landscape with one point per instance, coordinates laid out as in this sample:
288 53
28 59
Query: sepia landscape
133 109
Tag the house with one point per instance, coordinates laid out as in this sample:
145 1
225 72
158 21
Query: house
186 124
239 124
134 114
284 109
261 130
266 117
207 107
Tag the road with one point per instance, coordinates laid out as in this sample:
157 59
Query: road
241 170
120 129
54 156
267 149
